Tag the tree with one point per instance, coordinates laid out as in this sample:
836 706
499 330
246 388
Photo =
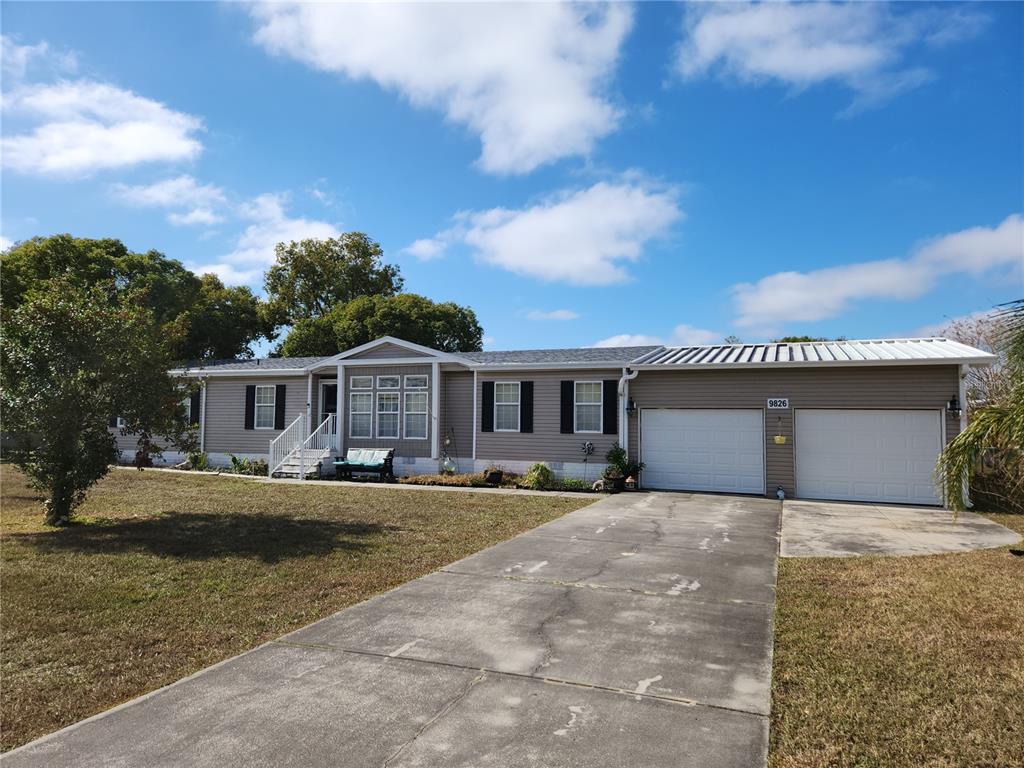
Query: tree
805 339
445 326
732 339
988 456
70 361
991 384
202 318
311 277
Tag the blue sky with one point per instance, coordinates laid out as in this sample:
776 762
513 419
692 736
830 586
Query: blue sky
576 174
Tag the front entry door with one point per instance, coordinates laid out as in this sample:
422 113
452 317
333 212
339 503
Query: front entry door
328 401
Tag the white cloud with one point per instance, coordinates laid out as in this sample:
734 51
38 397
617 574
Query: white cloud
5 243
629 340
427 249
682 335
191 202
82 126
860 45
530 79
17 59
254 251
810 296
554 314
582 237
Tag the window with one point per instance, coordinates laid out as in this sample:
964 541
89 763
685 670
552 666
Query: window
121 423
588 406
416 415
266 397
187 405
387 414
360 417
389 382
506 406
361 382
416 382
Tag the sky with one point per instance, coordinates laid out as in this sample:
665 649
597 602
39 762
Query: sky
577 174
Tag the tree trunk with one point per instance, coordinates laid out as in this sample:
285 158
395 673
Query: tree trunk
59 505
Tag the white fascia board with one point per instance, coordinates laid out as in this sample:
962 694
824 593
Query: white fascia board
594 365
378 361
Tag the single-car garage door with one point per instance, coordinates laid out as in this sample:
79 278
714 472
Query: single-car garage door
703 449
855 455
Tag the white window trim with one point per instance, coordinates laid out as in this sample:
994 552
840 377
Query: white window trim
121 423
424 413
187 402
518 404
424 376
257 405
599 404
352 382
398 413
352 395
390 376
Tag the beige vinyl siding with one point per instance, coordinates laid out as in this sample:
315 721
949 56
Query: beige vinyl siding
225 413
403 447
387 350
918 386
546 442
457 412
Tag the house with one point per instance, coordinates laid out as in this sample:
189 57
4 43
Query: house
848 420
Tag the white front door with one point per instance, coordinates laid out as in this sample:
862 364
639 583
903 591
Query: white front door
706 449
869 455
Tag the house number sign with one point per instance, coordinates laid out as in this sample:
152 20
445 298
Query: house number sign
777 403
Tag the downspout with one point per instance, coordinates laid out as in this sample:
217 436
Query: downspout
623 401
202 415
962 396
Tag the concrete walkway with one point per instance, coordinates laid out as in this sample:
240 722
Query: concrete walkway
636 631
835 529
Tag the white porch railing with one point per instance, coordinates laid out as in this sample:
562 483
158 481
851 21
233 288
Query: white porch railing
282 446
318 444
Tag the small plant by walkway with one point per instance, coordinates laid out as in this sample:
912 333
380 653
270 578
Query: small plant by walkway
164 573
900 661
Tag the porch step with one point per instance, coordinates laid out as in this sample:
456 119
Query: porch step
310 458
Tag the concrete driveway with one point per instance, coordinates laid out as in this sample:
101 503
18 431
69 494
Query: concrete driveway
837 529
636 631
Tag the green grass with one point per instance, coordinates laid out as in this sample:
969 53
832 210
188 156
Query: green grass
901 661
164 574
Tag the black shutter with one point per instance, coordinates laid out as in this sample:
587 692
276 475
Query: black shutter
526 406
568 394
487 408
279 407
113 422
250 405
611 407
193 409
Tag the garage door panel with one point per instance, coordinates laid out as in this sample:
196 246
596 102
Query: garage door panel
867 455
703 449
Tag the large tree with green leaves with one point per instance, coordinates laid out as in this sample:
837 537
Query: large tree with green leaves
311 277
201 317
70 361
446 326
988 456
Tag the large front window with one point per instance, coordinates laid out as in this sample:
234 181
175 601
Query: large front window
416 415
360 416
506 406
265 406
387 414
588 406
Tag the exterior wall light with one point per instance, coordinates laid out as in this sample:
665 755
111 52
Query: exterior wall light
630 407
953 406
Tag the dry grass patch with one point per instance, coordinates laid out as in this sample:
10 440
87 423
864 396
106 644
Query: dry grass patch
900 661
167 573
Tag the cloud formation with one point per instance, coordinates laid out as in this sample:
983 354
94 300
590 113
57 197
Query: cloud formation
531 80
581 237
787 297
554 314
863 46
189 202
682 335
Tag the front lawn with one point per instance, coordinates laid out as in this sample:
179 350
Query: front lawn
167 573
901 661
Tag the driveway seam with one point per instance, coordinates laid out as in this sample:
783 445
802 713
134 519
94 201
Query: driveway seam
545 535
522 676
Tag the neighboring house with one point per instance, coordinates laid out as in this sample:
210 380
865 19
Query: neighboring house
851 420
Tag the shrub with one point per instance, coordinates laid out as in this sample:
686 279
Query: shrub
247 466
573 484
459 481
619 459
200 462
539 477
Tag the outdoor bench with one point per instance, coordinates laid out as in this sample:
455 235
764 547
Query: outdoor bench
368 460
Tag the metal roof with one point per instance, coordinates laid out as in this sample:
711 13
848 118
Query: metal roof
817 353
613 355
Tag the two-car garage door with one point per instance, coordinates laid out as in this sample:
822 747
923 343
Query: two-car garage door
843 454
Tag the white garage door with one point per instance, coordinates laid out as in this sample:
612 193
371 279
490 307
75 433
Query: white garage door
867 455
703 449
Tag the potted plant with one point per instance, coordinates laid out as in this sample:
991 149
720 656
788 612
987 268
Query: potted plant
624 466
493 475
614 480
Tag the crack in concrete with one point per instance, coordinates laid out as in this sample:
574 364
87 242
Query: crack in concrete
448 707
565 606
